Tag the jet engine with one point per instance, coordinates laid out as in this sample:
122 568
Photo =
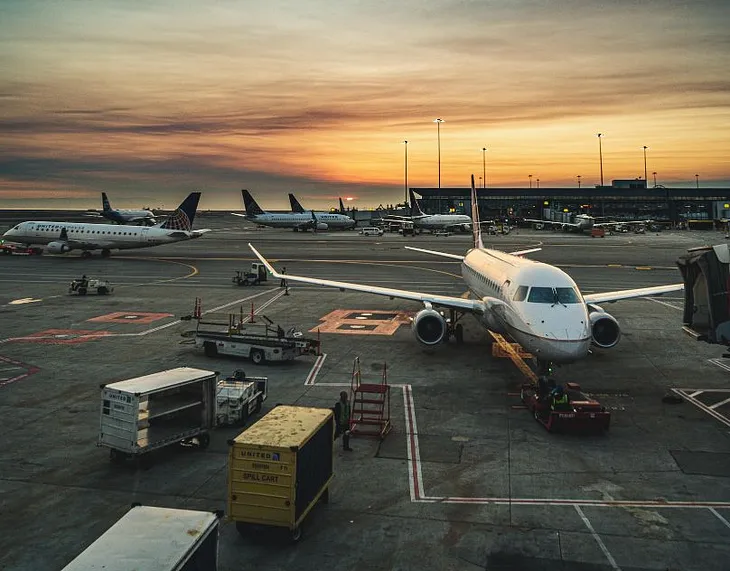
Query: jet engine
321 226
57 248
604 328
429 327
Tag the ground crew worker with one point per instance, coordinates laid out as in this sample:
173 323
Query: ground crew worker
559 400
283 280
342 418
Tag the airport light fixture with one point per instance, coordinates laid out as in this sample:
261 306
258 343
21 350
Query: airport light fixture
578 177
697 180
530 177
484 165
654 173
438 138
600 155
538 183
646 178
405 175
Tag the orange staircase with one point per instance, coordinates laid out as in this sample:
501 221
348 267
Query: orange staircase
370 404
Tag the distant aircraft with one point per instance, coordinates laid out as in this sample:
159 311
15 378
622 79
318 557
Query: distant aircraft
537 304
296 221
62 237
431 221
123 216
583 222
341 221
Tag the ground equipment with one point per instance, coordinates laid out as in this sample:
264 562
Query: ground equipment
255 276
582 413
238 397
261 340
12 248
85 285
143 414
280 467
149 538
370 404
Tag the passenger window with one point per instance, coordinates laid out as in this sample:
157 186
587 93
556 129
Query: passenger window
520 294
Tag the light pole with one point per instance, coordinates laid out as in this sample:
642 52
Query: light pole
484 165
654 173
697 180
438 136
646 179
405 176
538 183
600 155
578 181
480 182
530 177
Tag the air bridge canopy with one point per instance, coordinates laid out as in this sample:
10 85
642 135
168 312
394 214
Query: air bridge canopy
706 274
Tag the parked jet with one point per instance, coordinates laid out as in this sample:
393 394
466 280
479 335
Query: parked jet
62 237
296 221
537 304
341 221
431 221
582 222
123 216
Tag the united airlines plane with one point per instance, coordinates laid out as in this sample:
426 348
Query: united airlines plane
63 237
537 304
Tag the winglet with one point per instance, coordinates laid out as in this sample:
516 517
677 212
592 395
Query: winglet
265 262
523 252
476 227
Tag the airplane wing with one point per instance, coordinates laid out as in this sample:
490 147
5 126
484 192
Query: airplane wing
611 296
552 222
238 214
435 253
470 305
522 252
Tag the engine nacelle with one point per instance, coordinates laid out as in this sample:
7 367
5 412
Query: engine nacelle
605 329
321 226
57 248
429 327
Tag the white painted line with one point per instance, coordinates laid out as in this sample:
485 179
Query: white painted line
415 476
720 363
665 303
314 371
599 541
702 406
694 394
718 516
718 404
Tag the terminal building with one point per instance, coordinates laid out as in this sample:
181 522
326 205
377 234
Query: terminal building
623 200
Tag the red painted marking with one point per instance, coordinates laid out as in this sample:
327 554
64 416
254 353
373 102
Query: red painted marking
62 336
29 370
130 317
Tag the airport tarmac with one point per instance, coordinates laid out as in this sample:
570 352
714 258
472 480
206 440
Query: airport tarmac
466 479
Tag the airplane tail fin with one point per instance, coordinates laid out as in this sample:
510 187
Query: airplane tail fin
342 207
250 205
106 205
476 227
415 207
295 205
184 215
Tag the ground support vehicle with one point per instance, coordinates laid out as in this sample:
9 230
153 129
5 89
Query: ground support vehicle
143 414
238 397
85 285
582 414
598 233
11 248
254 276
280 467
442 233
261 341
149 538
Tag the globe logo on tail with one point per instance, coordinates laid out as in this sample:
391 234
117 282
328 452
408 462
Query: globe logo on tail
179 221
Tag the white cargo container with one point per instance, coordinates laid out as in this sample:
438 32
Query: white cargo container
239 397
145 413
154 539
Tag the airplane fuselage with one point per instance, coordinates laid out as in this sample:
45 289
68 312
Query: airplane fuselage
541 306
301 219
94 236
126 216
439 221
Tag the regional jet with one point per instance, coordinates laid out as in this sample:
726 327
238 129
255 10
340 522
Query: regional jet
431 221
62 237
335 220
583 222
296 221
537 304
123 216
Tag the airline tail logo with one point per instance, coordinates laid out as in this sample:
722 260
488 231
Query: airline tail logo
105 202
182 218
249 204
415 207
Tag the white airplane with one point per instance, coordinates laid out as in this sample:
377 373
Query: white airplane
339 221
62 237
537 304
124 216
583 222
431 221
296 221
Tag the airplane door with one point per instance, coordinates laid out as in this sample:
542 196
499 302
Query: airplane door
146 235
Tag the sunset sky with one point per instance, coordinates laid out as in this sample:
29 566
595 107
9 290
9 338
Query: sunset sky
150 99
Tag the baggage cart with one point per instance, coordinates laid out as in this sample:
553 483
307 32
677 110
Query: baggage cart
280 467
143 414
154 539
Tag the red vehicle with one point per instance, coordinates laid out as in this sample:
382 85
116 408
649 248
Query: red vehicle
582 414
9 248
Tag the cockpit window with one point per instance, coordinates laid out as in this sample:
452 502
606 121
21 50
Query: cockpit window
553 295
520 294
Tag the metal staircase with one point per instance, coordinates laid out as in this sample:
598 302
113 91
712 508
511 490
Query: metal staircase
370 404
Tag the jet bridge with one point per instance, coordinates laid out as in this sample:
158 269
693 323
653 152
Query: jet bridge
706 274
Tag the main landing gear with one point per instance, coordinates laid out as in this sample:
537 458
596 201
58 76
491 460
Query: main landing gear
454 328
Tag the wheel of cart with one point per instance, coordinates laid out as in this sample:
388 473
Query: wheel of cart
257 356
